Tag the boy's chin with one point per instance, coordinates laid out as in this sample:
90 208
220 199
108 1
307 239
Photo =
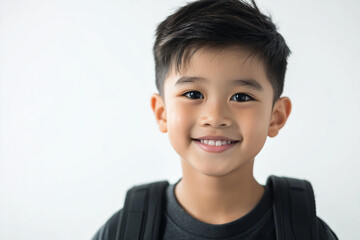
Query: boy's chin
213 170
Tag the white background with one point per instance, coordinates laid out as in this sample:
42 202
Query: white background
76 128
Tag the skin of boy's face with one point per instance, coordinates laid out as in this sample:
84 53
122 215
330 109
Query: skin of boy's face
219 108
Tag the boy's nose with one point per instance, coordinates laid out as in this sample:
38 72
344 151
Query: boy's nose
215 115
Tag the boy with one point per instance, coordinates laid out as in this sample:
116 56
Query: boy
220 68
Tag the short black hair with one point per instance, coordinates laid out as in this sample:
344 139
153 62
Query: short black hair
220 24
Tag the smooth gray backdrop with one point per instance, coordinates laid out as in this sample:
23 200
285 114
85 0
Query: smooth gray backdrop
76 128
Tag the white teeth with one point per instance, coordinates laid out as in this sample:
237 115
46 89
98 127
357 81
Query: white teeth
216 142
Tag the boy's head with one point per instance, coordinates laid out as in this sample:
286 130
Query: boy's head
219 24
220 69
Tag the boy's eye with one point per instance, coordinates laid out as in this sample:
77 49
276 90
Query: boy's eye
193 95
241 97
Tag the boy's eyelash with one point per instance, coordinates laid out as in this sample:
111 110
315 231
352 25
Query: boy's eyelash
191 93
243 94
188 93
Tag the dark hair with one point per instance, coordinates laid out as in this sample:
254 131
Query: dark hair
219 24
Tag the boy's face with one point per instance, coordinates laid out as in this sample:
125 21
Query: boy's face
224 95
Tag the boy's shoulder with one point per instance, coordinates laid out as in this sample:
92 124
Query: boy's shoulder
325 231
109 230
146 197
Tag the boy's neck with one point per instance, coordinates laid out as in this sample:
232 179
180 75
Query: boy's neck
218 200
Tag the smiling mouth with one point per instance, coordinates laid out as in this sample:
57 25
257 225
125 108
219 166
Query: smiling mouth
213 142
215 146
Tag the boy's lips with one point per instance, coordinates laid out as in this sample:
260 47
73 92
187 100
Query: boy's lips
215 138
215 144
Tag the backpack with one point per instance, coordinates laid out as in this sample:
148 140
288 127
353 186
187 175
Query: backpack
293 206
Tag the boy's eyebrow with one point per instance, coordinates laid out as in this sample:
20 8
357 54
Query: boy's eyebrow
252 83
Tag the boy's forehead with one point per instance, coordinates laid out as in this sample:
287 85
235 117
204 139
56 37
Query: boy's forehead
227 63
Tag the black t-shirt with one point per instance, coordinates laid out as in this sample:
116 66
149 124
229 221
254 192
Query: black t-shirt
257 224
179 225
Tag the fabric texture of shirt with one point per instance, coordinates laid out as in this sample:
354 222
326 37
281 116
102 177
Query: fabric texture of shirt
257 224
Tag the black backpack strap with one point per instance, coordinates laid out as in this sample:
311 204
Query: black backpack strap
294 208
142 210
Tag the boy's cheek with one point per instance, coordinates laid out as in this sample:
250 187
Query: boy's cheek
180 117
254 139
253 127
181 123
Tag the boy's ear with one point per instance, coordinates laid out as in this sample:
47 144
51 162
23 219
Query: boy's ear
280 114
158 107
